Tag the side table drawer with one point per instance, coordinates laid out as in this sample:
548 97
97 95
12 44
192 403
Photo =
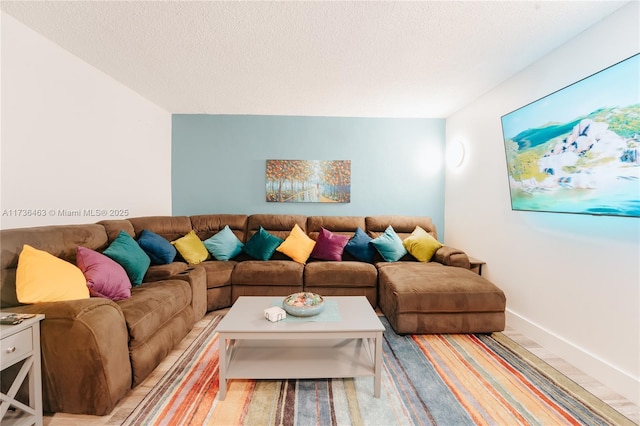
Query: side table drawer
15 346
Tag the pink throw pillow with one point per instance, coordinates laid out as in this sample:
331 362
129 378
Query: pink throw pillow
329 246
105 277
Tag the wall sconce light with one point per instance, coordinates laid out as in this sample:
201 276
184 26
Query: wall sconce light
456 153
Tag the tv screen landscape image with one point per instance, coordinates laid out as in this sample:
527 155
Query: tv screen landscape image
577 150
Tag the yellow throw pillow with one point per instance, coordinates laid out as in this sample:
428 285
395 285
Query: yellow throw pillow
298 246
191 248
42 277
421 245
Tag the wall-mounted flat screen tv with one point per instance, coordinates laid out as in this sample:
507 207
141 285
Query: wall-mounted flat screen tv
577 150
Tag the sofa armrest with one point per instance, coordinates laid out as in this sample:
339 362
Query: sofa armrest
197 278
450 256
85 355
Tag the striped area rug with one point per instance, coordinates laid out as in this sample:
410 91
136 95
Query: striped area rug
426 380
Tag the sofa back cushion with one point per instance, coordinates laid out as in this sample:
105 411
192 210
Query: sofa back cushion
208 225
61 241
114 226
169 227
402 225
342 225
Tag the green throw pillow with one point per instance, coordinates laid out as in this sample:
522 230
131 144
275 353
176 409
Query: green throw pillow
262 245
126 251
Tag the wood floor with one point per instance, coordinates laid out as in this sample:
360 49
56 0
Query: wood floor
128 403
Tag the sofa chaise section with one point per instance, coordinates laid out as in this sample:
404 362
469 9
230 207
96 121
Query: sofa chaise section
441 296
432 298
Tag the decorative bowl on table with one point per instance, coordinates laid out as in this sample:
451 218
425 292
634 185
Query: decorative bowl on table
303 304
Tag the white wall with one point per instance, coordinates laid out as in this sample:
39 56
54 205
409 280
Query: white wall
572 281
74 139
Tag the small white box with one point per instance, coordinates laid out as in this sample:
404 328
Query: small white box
274 314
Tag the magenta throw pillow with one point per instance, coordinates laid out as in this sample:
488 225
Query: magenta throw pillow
329 246
105 277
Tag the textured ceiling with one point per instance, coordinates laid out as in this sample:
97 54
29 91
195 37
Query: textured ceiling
371 59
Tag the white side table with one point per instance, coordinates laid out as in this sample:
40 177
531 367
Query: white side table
21 342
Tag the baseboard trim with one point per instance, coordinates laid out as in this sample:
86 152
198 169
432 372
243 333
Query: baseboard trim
607 374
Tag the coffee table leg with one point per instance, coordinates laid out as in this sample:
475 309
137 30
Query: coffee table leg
377 381
222 368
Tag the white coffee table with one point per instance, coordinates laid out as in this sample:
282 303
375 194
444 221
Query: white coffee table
251 347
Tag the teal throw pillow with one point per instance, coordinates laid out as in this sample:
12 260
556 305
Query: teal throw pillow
359 246
262 245
126 251
158 248
389 245
224 245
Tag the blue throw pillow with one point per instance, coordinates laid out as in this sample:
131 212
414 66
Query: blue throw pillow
359 247
126 251
389 245
159 250
224 245
262 245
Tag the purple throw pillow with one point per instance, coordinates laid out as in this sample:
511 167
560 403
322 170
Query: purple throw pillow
105 277
329 246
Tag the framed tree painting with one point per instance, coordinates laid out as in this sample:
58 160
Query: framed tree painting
308 181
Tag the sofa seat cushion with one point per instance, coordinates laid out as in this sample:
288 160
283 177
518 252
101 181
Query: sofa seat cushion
151 306
432 287
218 272
162 272
340 274
269 273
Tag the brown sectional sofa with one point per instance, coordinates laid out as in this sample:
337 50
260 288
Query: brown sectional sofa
95 350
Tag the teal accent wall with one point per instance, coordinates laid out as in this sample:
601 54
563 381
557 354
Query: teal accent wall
218 163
